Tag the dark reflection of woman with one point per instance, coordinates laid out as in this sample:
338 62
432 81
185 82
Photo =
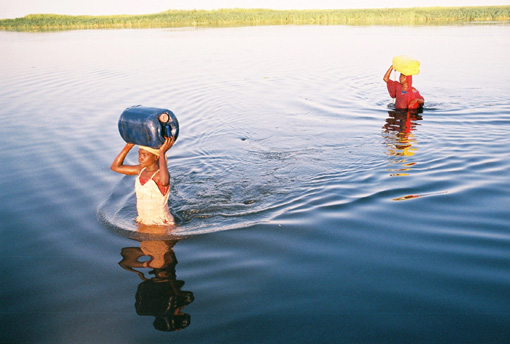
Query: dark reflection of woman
399 137
160 295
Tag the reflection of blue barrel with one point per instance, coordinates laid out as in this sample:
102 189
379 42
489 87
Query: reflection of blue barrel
142 126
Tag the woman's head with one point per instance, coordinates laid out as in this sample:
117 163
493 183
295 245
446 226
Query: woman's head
406 80
147 156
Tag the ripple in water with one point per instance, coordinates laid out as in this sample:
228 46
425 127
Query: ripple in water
249 169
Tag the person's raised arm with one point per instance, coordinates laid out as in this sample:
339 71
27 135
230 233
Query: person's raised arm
118 163
164 177
387 74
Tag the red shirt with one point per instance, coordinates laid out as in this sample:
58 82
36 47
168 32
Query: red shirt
402 98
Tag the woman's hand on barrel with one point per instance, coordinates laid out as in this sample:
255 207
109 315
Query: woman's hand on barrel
169 142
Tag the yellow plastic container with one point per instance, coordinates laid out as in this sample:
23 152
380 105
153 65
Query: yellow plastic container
406 65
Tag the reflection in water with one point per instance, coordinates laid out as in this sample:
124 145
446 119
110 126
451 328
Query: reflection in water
160 295
408 197
399 138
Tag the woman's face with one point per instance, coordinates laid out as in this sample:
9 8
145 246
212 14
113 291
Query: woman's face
403 79
145 158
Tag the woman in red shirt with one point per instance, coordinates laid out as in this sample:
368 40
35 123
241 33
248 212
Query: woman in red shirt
407 97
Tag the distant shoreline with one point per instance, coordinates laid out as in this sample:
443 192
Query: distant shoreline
254 17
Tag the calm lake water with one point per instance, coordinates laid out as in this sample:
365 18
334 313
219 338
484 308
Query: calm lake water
308 211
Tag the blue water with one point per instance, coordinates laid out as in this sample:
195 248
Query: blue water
308 211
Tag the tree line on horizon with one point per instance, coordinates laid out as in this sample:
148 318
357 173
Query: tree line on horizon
249 17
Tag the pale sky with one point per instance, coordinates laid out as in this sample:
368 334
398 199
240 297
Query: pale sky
20 8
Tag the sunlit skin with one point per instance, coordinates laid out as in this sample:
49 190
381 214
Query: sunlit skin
146 160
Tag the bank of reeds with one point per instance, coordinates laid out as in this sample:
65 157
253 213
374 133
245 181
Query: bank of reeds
247 17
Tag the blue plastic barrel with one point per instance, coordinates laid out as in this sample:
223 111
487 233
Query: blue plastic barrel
141 125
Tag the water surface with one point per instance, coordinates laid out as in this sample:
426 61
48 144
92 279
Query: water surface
308 209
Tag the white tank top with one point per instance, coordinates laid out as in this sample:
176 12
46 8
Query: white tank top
151 204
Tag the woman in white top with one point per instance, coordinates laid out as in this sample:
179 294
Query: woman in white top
152 185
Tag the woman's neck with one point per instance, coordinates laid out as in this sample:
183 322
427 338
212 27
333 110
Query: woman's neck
152 168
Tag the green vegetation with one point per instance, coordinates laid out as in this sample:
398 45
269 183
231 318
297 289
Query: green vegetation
246 17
